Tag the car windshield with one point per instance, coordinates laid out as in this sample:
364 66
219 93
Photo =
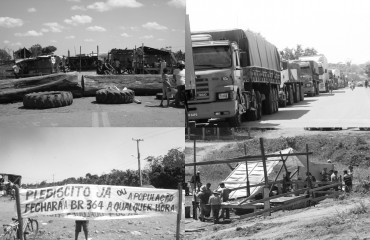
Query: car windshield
306 70
212 57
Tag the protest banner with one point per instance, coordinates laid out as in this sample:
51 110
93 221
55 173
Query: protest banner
98 202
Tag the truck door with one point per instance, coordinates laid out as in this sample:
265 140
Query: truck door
238 70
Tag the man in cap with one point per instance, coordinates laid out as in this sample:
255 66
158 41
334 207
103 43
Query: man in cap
225 192
179 77
215 202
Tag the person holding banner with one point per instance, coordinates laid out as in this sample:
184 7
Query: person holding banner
82 224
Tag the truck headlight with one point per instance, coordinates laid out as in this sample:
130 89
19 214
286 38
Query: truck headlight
225 78
223 96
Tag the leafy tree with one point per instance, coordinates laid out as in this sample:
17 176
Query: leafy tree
36 50
168 171
180 55
4 55
48 50
295 53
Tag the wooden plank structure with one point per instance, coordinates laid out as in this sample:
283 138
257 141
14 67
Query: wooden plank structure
12 90
303 194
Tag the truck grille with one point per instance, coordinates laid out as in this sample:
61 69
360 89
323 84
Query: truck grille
201 88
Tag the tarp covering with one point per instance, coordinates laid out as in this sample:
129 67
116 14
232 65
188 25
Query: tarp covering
238 177
261 52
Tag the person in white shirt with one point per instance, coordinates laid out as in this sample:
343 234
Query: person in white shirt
179 77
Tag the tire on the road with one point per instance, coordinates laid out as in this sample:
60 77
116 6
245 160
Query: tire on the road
114 96
43 100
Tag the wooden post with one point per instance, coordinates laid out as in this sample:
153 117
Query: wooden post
195 183
80 58
263 161
266 190
178 225
218 133
247 171
203 133
19 213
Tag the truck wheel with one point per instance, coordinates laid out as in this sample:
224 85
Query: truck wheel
301 92
259 105
236 121
276 95
296 93
43 100
291 98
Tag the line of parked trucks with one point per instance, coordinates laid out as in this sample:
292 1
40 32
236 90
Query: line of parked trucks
239 76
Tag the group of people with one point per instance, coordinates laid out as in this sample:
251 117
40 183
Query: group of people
210 201
178 80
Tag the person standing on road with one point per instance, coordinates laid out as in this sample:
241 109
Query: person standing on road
366 83
203 200
335 179
179 77
215 203
347 181
225 192
166 87
82 224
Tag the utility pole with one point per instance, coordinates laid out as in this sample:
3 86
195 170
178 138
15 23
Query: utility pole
138 158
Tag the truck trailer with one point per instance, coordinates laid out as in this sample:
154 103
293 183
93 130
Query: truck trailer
237 76
291 88
323 70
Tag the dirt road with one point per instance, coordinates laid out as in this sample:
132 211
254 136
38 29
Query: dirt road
343 108
85 112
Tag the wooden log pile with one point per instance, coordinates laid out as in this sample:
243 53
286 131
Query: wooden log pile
13 90
145 84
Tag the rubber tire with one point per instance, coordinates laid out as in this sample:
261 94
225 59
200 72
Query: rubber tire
113 96
259 105
43 100
235 121
268 104
291 97
276 100
295 93
302 92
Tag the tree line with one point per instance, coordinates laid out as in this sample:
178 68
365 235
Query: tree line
163 172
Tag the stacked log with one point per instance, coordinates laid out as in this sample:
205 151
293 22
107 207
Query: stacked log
13 90
145 84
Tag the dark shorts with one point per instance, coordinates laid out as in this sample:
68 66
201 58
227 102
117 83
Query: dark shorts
82 224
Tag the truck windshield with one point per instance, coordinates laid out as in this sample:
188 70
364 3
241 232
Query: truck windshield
306 70
212 57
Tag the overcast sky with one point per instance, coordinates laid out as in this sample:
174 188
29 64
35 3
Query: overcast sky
69 24
336 28
38 153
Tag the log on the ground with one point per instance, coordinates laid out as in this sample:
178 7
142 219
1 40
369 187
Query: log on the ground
144 84
13 90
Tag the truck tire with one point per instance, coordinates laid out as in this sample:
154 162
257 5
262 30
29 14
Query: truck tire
276 96
301 92
268 103
113 96
43 100
296 93
236 121
259 105
291 97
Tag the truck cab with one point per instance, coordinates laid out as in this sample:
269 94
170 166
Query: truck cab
217 79
310 77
